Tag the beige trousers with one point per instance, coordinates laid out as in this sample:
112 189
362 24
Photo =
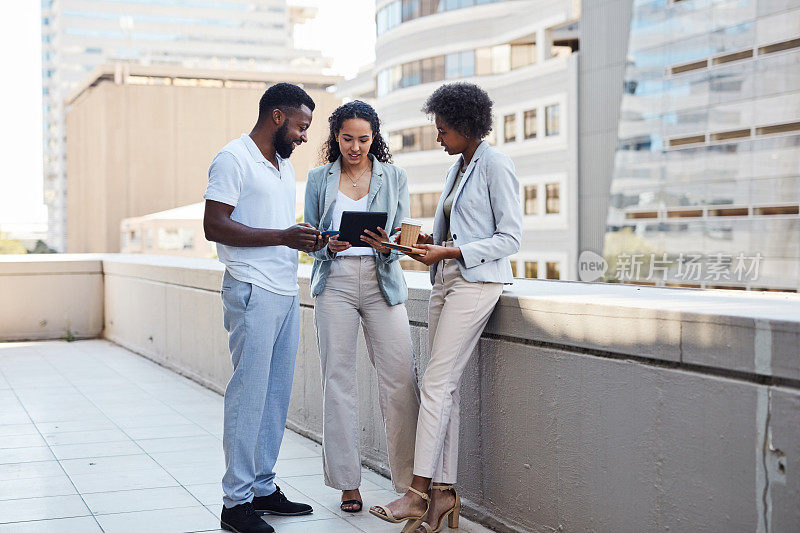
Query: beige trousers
457 313
352 296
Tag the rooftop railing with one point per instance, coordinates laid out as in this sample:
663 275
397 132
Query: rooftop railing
586 407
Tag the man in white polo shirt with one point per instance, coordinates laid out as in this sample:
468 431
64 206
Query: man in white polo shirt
250 202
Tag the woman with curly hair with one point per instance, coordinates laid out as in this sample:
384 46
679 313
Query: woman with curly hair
477 226
363 285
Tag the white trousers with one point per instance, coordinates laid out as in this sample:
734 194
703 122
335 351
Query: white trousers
351 297
457 313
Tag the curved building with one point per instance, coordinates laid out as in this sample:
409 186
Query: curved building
706 184
521 52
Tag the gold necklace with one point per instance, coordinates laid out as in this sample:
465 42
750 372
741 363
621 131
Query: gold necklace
350 176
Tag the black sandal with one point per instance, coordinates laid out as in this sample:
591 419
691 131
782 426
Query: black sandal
351 502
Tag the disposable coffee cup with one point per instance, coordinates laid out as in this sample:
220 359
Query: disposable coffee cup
409 231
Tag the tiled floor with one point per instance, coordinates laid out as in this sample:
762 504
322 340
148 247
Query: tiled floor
96 438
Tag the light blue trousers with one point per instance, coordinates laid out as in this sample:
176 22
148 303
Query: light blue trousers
263 334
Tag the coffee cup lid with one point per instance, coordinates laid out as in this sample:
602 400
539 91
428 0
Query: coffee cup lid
412 221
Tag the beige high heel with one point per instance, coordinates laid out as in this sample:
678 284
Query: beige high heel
413 521
452 514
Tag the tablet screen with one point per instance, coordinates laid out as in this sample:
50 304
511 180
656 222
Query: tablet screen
355 222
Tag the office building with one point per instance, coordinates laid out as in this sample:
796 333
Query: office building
140 140
705 186
77 36
522 53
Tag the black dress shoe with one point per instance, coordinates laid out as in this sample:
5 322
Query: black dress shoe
243 519
276 503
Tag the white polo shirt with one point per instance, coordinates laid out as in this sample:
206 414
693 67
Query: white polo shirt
262 197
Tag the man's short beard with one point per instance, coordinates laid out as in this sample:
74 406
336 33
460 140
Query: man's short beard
283 146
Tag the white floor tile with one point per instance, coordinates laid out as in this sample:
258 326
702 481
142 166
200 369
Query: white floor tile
25 455
175 444
163 521
207 493
42 508
108 465
83 437
138 479
86 524
298 467
29 470
128 464
161 432
192 475
93 424
139 500
37 487
95 449
17 429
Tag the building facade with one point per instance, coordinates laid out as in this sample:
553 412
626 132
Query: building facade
521 53
705 190
77 36
140 140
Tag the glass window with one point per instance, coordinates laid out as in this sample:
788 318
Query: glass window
467 63
483 61
410 141
531 269
523 55
501 58
411 74
510 128
384 84
428 135
452 65
553 269
530 124
552 199
428 7
552 120
396 141
410 9
531 203
381 21
432 69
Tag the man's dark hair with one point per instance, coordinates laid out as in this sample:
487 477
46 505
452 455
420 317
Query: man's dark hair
464 107
283 96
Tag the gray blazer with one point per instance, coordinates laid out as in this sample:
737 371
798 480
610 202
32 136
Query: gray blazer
388 191
486 232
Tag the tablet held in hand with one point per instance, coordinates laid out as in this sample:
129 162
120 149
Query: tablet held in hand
355 222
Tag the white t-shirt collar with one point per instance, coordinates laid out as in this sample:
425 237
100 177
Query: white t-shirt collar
256 154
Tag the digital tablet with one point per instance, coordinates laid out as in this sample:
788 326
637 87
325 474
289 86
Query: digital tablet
355 222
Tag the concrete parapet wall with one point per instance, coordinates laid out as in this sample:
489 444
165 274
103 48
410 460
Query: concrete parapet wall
50 297
586 407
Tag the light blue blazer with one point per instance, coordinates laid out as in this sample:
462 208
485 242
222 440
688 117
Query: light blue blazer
486 219
388 191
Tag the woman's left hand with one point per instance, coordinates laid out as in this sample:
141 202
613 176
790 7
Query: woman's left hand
433 253
375 239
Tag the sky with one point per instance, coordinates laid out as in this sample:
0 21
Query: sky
344 30
21 112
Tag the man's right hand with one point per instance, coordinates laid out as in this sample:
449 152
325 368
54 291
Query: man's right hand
304 237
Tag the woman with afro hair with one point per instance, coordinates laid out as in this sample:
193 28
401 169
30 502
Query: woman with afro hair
477 226
361 285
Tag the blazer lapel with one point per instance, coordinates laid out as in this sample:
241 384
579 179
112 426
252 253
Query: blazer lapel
468 171
375 182
331 189
438 219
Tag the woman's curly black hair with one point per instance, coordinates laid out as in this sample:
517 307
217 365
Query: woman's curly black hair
356 109
464 107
